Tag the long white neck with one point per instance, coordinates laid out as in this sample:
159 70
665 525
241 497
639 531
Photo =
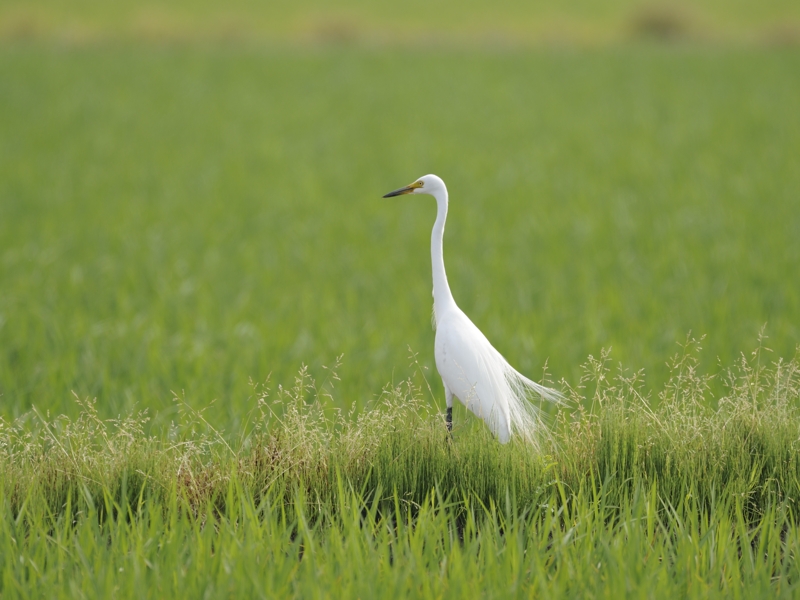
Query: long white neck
442 297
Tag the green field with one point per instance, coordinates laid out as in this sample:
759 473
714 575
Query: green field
190 206
186 220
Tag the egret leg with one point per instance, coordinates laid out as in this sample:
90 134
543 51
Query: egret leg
449 400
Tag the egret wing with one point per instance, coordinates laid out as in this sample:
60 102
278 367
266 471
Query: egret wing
470 367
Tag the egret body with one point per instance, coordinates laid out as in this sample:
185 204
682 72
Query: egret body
470 367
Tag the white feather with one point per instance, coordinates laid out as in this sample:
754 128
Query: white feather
481 378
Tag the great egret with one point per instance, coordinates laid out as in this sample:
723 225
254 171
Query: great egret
470 367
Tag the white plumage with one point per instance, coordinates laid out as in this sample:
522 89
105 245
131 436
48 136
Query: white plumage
470 367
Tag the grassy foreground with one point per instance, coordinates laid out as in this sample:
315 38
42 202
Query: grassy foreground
681 501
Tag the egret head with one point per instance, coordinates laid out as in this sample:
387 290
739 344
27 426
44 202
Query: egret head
428 184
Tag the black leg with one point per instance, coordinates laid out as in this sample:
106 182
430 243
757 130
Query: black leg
449 418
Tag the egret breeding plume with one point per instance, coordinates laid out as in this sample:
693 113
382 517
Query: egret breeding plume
470 367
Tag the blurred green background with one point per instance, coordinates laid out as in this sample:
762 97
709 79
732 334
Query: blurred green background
190 192
414 22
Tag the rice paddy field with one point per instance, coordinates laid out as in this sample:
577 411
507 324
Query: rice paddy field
216 358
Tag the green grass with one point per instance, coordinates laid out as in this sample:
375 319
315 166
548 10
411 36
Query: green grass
267 554
181 223
682 501
187 219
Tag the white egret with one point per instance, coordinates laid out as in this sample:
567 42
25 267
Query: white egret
470 367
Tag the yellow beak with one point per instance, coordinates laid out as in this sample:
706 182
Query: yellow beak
405 190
